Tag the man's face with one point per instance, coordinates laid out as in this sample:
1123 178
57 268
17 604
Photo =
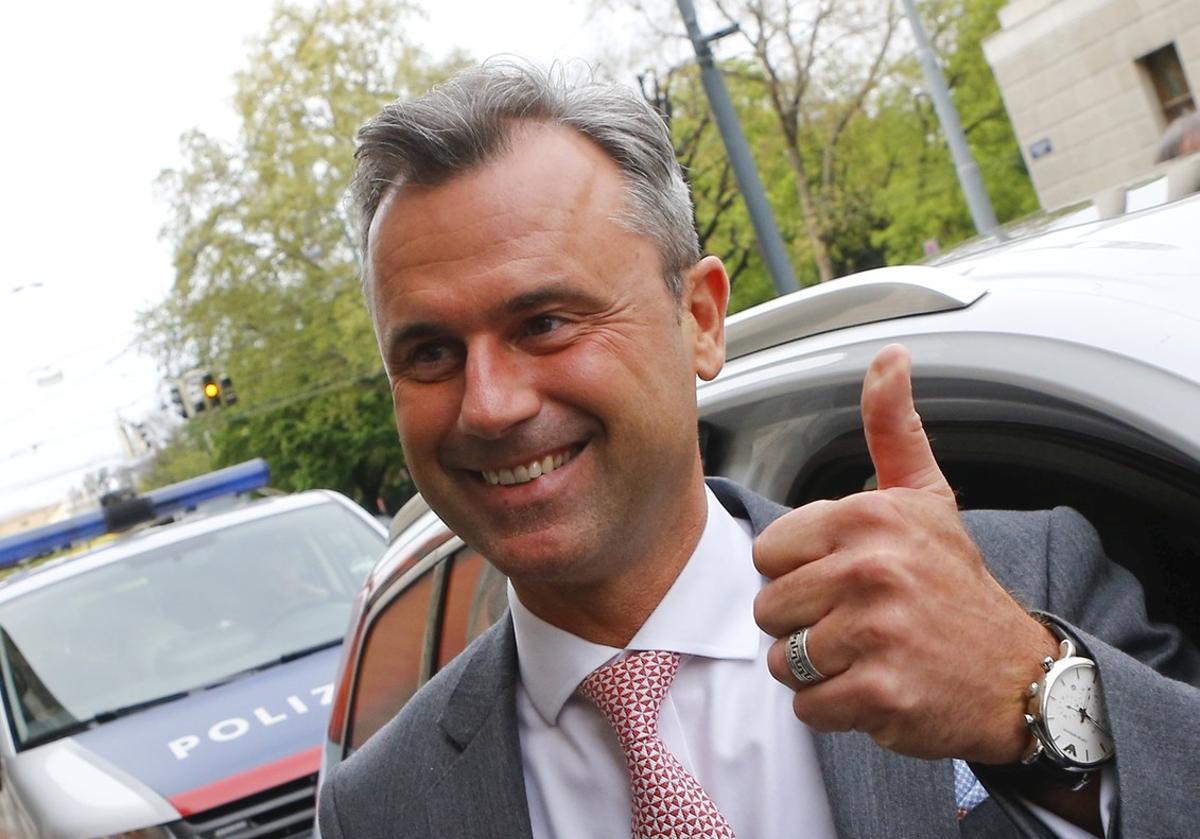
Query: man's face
543 375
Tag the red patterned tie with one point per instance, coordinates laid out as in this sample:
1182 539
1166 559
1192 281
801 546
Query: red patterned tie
667 800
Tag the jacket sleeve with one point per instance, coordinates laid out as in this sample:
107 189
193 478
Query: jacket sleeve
1150 673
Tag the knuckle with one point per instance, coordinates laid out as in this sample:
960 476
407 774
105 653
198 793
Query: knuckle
887 569
893 700
875 508
876 568
881 697
885 633
875 632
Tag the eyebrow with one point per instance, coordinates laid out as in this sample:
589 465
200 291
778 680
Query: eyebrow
521 303
552 293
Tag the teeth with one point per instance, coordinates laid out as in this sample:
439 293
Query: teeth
527 472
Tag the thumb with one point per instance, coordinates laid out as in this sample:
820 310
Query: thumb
895 438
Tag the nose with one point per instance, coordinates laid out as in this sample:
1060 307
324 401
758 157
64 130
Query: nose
498 391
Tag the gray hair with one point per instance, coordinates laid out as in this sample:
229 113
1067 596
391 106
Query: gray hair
469 120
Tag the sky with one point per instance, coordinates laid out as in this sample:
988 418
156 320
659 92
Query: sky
96 96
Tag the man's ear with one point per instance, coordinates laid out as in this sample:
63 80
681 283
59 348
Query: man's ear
705 296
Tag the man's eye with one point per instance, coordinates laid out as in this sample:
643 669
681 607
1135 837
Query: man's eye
428 354
431 361
542 324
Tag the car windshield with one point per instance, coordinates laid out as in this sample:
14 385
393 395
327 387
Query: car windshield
180 617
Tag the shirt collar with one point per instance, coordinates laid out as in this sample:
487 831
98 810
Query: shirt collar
708 611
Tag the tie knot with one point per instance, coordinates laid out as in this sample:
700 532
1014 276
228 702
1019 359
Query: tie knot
630 692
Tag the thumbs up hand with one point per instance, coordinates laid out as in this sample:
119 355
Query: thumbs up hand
921 648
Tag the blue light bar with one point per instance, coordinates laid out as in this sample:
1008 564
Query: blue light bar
51 537
253 474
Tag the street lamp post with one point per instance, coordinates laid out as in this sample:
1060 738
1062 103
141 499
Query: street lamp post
770 243
964 162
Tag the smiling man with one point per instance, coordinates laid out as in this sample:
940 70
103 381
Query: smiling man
544 376
683 659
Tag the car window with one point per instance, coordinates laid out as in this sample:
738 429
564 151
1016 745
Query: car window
1144 508
475 598
390 666
419 631
179 617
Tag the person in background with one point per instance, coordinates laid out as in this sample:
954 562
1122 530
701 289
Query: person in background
1181 138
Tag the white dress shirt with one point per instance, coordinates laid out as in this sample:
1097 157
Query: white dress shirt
726 719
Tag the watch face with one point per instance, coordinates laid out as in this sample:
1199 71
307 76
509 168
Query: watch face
1074 715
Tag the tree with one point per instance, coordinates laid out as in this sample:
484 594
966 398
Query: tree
809 74
820 62
921 196
266 270
846 142
722 223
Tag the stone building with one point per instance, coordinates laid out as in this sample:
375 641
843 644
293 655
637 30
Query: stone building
1091 86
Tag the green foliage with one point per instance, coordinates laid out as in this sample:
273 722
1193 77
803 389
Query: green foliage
722 221
266 276
185 456
921 197
876 165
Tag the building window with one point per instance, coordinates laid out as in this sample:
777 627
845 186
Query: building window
1166 75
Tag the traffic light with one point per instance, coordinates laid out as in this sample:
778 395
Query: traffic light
217 391
199 390
228 394
211 391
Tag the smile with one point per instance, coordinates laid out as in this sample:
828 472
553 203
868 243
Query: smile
527 472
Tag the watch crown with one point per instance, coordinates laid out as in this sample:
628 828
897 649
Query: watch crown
1030 721
1047 663
1033 689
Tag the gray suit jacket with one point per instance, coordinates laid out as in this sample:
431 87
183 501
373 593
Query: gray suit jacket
449 764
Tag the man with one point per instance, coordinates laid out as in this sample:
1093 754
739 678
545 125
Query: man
542 311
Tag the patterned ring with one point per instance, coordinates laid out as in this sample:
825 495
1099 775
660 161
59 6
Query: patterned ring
798 661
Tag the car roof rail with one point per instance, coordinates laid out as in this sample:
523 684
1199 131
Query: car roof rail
412 510
121 511
869 297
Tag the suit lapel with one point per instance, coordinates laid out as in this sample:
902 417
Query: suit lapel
482 793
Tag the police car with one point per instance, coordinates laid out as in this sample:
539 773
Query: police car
1060 368
176 681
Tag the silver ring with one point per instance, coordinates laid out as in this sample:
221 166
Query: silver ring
798 661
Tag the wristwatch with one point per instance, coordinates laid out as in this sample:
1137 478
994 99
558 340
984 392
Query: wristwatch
1067 716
